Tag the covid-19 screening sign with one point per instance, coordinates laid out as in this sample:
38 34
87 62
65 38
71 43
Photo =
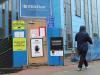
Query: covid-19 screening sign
19 44
34 8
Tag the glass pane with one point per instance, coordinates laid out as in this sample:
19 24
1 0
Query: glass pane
95 18
78 7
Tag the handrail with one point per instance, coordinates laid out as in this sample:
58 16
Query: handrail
5 38
5 51
3 45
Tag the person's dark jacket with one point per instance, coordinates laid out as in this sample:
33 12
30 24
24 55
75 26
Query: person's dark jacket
82 39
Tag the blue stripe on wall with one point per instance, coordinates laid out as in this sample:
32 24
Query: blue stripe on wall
0 14
56 13
55 32
6 18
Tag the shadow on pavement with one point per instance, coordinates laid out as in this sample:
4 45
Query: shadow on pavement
9 70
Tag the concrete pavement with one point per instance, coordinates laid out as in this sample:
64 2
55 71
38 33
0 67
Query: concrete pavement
68 69
94 69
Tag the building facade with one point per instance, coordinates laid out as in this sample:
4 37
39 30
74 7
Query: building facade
10 10
81 12
67 16
77 12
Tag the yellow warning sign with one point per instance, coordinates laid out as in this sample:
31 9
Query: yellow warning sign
18 25
19 44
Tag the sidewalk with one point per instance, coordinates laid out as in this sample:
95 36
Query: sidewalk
68 69
94 69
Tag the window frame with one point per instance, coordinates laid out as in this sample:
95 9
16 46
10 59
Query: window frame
78 8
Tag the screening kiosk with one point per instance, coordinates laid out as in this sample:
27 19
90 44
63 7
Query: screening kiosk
36 39
30 44
28 26
56 52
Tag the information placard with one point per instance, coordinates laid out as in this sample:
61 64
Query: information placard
37 47
42 31
19 34
56 46
19 44
34 33
18 25
56 43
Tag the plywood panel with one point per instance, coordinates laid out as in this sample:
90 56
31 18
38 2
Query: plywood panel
31 24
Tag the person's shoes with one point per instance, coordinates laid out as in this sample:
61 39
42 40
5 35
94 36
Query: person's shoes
86 67
79 69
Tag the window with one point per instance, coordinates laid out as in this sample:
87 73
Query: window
69 24
78 8
95 18
86 11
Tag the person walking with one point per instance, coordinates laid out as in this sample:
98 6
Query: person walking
82 38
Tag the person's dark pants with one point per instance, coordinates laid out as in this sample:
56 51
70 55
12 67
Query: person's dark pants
82 59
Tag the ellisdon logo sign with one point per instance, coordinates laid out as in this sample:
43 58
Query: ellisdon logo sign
34 6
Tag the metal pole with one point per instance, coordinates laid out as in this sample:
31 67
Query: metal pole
51 8
6 18
0 13
65 12
14 10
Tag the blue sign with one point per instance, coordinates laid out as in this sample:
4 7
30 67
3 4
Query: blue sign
34 8
50 22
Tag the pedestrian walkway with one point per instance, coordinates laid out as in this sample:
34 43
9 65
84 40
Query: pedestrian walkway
69 69
94 69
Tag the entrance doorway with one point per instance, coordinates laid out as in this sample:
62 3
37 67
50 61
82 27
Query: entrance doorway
36 41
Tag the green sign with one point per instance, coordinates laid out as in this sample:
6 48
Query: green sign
19 44
18 25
